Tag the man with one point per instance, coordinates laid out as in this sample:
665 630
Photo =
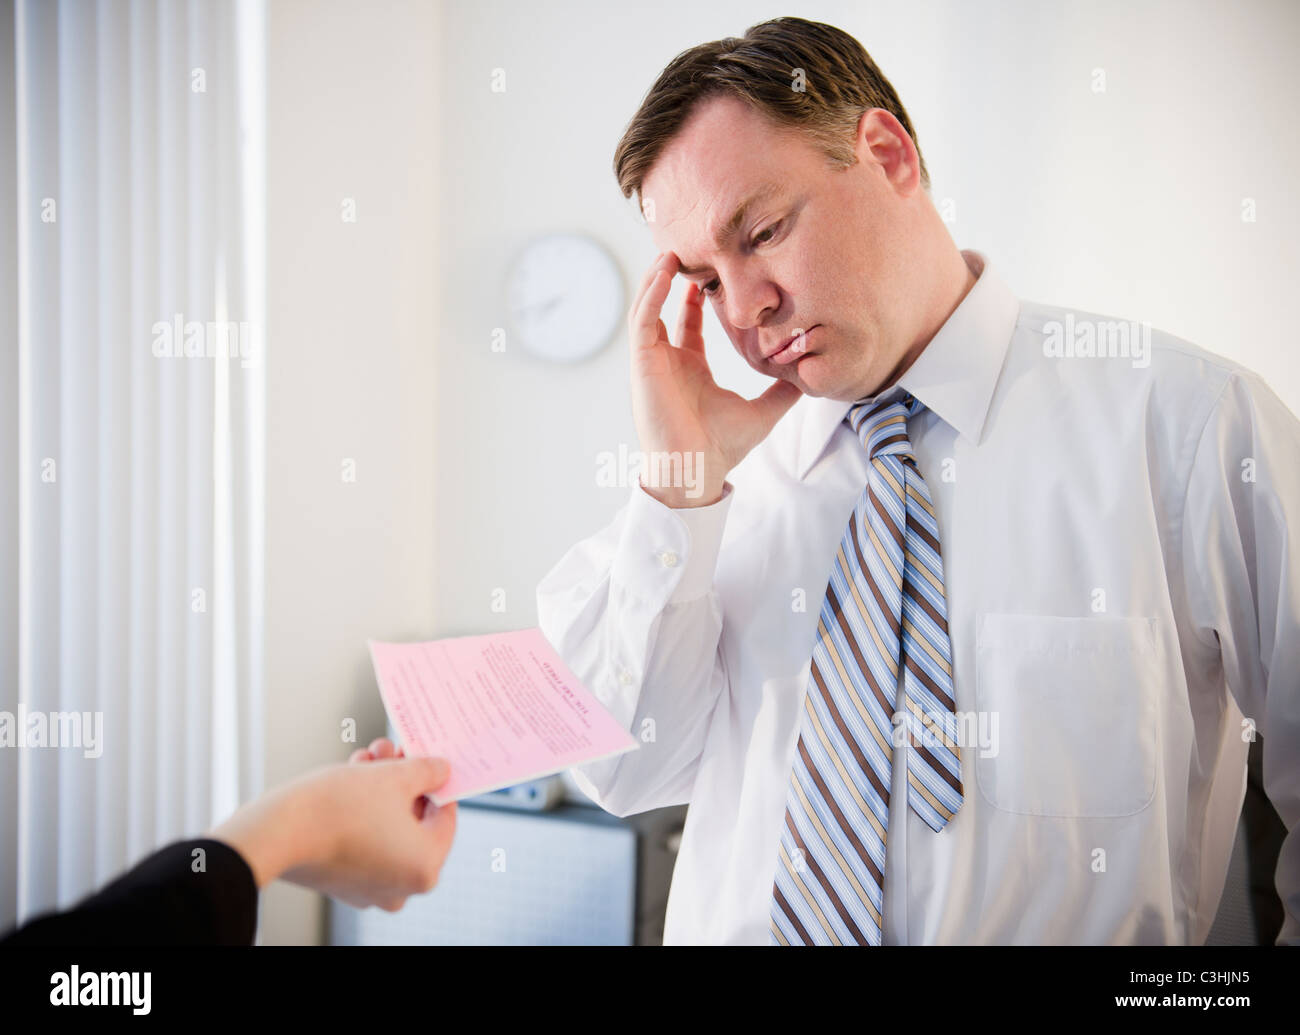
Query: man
964 632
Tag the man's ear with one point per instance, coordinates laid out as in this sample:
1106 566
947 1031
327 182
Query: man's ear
883 141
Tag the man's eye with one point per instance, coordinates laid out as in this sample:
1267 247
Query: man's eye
762 237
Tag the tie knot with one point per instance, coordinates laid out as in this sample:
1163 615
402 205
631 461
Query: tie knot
881 423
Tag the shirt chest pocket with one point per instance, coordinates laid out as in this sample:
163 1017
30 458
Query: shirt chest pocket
1075 710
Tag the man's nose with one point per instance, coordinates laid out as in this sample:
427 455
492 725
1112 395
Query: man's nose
749 301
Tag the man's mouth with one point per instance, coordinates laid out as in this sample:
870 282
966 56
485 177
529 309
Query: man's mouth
793 348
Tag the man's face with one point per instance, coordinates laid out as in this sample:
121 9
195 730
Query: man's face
824 252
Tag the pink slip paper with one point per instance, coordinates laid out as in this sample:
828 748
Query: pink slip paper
501 708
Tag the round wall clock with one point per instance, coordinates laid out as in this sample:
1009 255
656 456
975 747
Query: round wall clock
564 296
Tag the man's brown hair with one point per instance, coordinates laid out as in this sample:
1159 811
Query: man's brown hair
800 74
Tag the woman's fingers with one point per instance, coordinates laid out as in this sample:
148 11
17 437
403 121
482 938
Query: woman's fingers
382 747
440 824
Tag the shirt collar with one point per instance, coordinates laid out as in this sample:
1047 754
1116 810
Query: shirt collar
954 375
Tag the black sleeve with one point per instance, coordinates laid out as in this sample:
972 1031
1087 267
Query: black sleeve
165 900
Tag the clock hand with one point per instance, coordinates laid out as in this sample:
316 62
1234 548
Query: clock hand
540 308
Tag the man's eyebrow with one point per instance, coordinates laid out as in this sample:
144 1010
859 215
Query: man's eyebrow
729 229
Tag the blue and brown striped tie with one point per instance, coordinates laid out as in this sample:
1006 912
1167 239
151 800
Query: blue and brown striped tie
884 612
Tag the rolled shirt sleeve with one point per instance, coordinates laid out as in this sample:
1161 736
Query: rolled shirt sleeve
635 615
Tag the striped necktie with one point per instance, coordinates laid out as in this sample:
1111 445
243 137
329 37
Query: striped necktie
884 611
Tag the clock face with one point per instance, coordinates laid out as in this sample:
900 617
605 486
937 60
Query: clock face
565 297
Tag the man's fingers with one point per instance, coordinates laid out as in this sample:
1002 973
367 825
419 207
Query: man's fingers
690 321
772 405
645 283
645 318
662 261
644 328
359 755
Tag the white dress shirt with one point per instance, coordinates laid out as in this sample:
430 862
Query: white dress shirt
1123 603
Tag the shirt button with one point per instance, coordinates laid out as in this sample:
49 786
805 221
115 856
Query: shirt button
624 676
668 559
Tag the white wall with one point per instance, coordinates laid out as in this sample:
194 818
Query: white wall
1125 202
352 350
